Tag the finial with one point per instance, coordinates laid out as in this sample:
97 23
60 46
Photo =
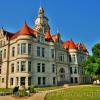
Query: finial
41 10
40 3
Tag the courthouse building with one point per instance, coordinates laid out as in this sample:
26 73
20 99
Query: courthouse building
34 56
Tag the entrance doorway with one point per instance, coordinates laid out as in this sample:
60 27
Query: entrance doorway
22 81
62 75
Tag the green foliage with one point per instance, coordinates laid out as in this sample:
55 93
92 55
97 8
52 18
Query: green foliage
31 88
15 89
96 50
21 93
92 64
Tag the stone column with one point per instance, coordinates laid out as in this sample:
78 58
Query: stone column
26 82
19 81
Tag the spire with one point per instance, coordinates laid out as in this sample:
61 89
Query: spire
41 11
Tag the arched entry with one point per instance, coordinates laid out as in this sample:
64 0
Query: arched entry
62 75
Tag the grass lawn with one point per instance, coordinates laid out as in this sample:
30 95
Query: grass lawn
76 93
47 88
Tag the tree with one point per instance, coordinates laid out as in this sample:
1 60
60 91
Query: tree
96 50
92 64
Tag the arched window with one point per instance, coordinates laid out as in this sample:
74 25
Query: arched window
62 70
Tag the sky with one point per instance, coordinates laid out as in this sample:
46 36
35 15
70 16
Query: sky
75 19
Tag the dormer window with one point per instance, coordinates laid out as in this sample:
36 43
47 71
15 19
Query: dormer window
40 39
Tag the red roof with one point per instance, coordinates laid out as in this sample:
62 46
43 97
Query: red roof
25 30
47 36
69 45
8 34
83 47
55 37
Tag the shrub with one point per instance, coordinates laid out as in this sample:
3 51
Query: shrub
21 93
31 88
15 89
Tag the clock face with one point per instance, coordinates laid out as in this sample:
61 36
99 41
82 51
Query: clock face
37 21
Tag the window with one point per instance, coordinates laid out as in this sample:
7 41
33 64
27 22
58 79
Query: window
1 54
29 66
11 81
2 80
13 51
12 68
29 49
0 57
54 80
23 48
22 81
61 57
75 70
17 66
73 56
71 79
0 69
43 52
4 53
4 42
38 67
18 49
17 80
71 70
42 39
43 67
29 80
53 68
39 80
38 51
23 65
39 38
0 43
52 53
62 70
70 60
44 80
76 80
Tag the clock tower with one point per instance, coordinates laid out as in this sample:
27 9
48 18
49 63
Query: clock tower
41 22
